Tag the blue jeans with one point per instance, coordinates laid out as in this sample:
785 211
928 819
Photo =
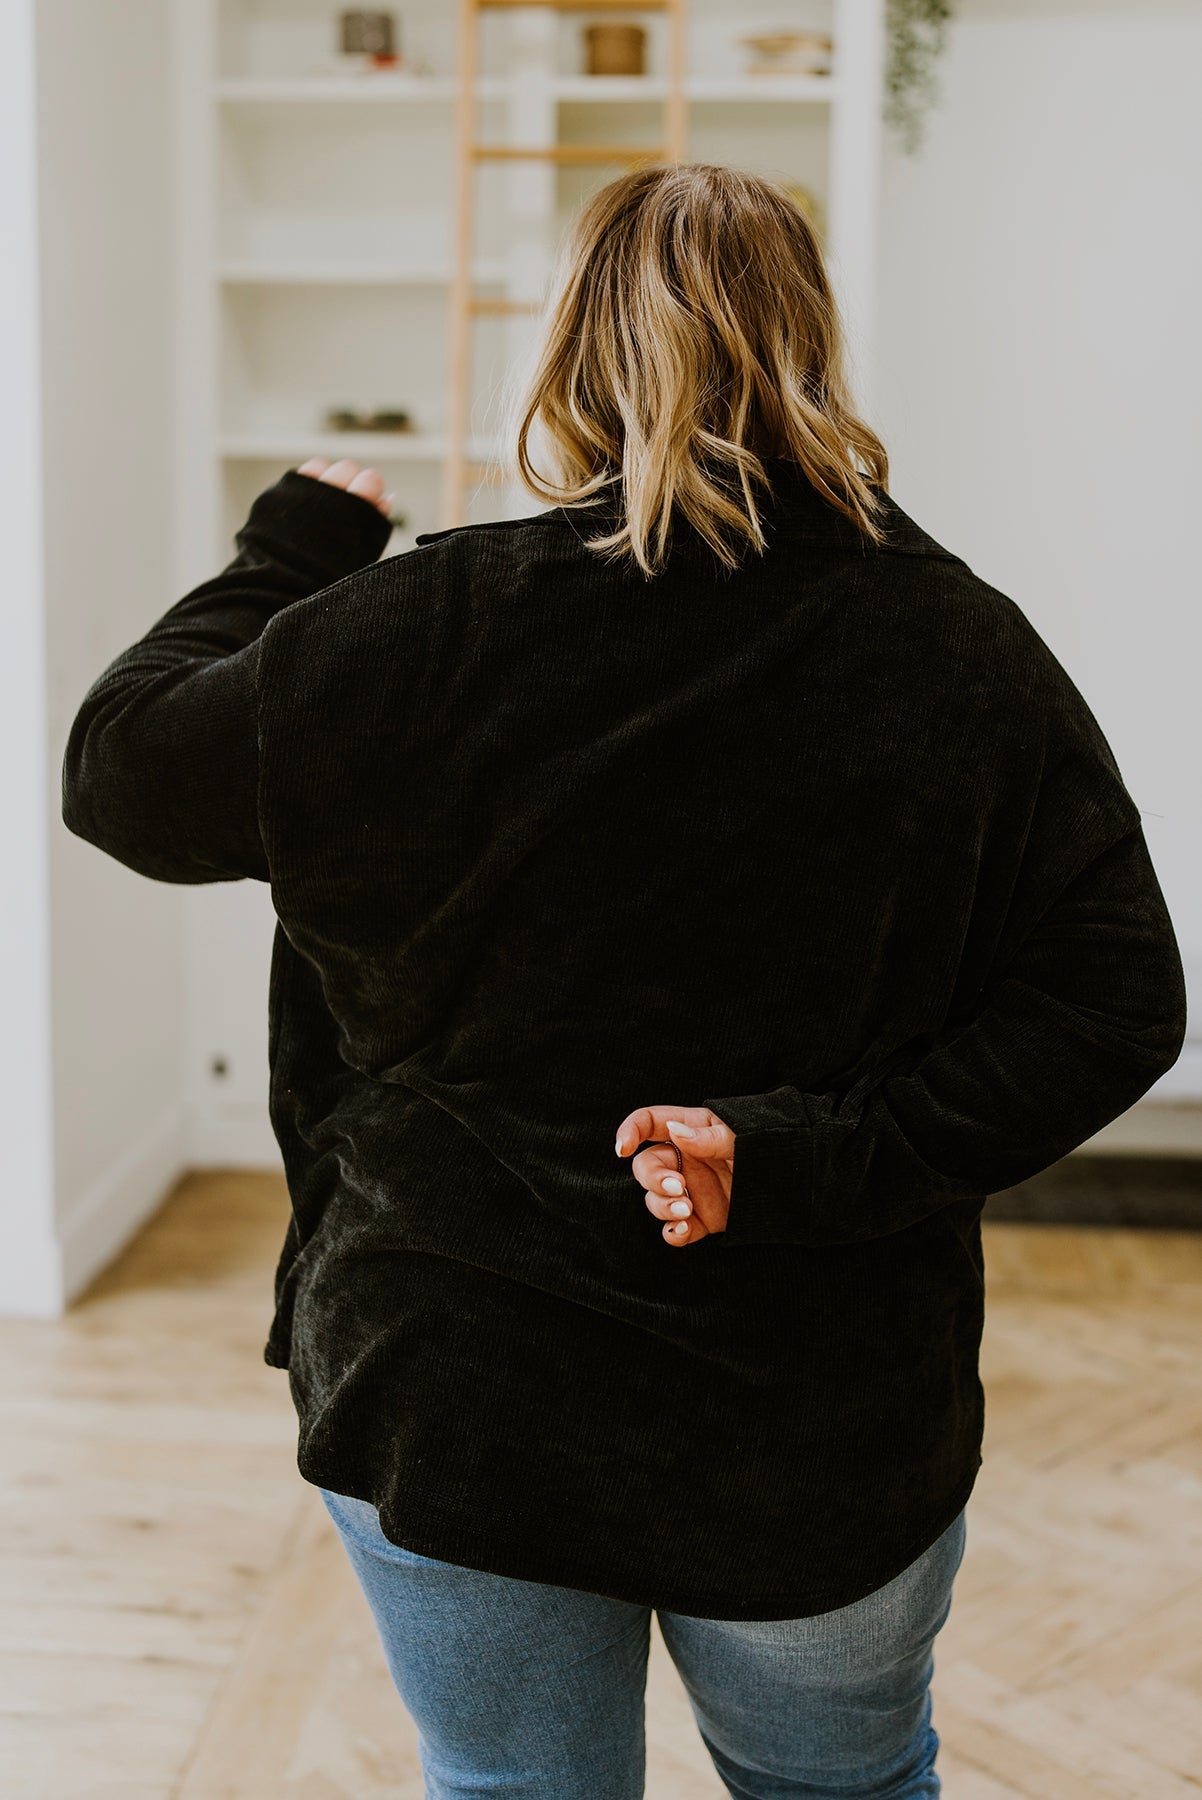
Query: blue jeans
536 1692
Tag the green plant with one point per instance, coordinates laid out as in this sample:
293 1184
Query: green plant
915 34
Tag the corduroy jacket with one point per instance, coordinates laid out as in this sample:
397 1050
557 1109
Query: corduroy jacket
829 843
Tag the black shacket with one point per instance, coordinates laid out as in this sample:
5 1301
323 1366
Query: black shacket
831 845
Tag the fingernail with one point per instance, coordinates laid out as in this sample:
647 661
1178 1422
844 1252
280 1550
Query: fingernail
676 1125
671 1185
618 1142
682 1208
679 1230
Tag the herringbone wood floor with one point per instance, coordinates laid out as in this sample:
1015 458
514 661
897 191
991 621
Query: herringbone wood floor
178 1619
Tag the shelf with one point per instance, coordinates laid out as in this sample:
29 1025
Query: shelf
371 446
349 274
341 90
748 90
625 6
359 90
569 153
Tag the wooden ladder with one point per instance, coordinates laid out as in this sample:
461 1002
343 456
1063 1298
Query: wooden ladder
465 304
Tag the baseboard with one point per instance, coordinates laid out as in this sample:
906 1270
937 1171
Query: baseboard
235 1134
119 1202
1151 1128
31 1280
1183 1082
1151 1192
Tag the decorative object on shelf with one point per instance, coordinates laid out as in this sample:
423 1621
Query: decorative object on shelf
810 205
350 418
370 36
915 36
788 53
615 50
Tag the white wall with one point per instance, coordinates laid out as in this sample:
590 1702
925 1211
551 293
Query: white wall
1040 370
29 1272
116 947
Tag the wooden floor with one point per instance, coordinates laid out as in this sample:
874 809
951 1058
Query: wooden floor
178 1619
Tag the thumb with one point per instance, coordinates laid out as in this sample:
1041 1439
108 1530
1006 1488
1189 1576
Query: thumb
714 1142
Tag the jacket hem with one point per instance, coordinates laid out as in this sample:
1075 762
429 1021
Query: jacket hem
469 1550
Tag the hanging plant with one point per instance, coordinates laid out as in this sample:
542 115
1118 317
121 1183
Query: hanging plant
915 35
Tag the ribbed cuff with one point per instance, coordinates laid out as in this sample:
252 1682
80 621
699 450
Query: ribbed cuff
772 1184
333 532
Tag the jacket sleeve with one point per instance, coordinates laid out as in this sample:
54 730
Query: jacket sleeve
1084 1010
160 769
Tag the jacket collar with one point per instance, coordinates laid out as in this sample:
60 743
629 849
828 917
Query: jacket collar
796 511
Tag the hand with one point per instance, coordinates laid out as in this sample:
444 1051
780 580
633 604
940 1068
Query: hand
367 483
707 1147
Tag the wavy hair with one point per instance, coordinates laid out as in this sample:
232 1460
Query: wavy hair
691 333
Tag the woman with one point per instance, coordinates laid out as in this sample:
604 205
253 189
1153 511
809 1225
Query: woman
720 808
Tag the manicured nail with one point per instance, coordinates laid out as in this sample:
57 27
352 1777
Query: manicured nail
677 1126
679 1230
682 1208
672 1185
618 1142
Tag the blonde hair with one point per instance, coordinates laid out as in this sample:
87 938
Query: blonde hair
691 333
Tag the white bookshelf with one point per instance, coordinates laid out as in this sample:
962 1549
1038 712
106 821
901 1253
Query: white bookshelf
316 265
